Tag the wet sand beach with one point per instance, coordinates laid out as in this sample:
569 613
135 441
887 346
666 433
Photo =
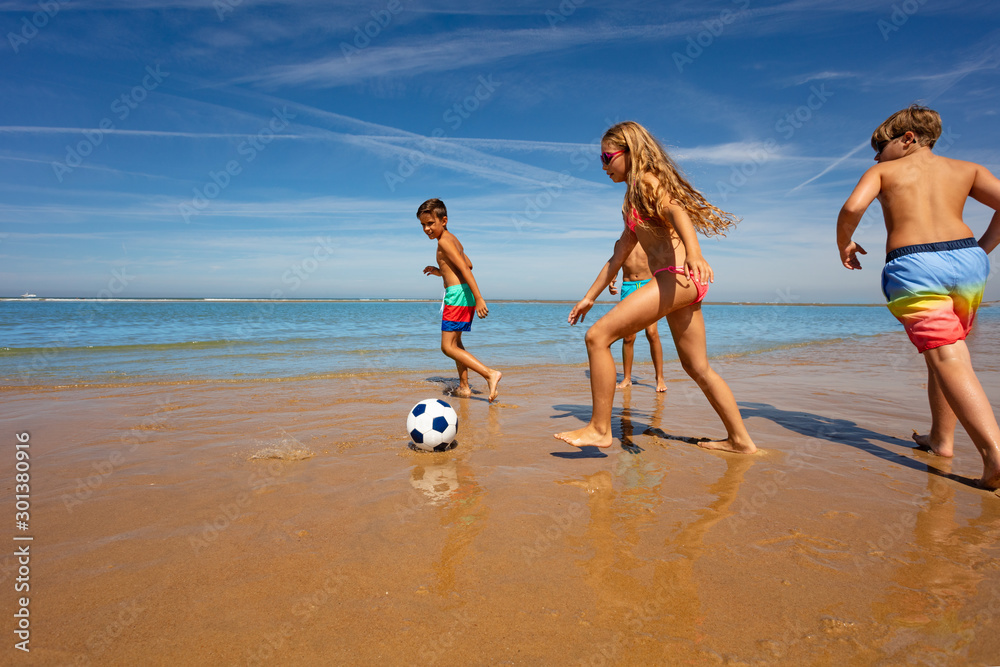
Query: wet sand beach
286 522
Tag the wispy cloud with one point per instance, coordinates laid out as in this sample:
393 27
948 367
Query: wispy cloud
987 58
446 52
40 129
830 167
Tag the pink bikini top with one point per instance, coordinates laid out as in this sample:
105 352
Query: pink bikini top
633 218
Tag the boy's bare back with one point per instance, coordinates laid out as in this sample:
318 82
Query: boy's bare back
922 197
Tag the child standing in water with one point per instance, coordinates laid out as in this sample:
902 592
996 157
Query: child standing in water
662 213
461 297
635 274
935 269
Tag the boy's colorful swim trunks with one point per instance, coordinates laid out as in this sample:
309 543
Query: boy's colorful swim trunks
934 289
630 286
459 306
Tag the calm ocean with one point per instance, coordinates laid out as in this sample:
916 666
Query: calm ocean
76 341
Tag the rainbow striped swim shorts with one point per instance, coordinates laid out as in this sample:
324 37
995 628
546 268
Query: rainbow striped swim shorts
457 309
934 289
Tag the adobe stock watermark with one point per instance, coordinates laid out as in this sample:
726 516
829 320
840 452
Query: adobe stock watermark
696 44
363 35
258 481
900 14
635 625
300 615
561 13
223 7
440 644
894 529
39 361
786 126
103 469
293 277
99 642
535 205
454 116
557 529
249 149
30 27
121 107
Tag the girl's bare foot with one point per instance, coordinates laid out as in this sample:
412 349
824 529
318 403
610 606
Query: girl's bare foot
627 382
737 447
462 392
586 436
493 380
661 386
941 449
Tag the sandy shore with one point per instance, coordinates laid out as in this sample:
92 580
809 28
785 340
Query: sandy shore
164 535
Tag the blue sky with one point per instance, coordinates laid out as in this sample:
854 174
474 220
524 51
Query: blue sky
280 148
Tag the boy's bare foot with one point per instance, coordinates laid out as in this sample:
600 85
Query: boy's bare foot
586 436
924 442
493 380
627 382
737 447
991 477
462 392
661 386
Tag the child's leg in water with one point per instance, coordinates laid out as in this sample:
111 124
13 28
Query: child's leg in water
628 348
451 345
656 352
967 403
464 390
687 326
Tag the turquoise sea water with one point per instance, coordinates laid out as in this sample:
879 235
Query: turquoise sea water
76 341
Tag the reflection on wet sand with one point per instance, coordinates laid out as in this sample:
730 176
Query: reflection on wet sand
436 481
449 483
674 611
946 587
654 616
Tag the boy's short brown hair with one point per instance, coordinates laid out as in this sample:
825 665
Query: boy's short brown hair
433 206
923 122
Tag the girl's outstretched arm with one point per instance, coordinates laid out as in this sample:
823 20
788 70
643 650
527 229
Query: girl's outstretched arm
623 248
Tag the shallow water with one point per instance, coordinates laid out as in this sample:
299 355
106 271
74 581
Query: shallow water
140 341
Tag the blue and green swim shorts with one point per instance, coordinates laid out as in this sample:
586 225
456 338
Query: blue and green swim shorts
458 307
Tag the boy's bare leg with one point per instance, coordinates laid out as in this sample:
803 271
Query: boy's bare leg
464 390
656 351
687 326
450 345
628 351
941 439
643 307
952 367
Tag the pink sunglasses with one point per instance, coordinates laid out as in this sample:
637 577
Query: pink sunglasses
606 158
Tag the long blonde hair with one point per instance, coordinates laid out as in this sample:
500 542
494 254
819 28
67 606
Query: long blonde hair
648 156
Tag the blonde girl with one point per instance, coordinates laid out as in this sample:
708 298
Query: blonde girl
662 212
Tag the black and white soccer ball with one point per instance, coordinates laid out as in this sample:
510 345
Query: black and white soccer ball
432 425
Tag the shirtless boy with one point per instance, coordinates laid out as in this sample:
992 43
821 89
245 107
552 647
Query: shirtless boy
635 274
935 269
461 298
